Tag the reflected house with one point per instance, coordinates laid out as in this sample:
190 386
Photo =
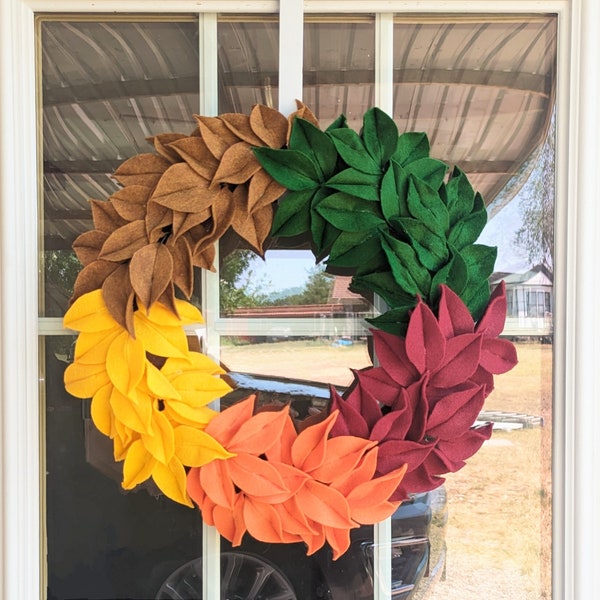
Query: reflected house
530 302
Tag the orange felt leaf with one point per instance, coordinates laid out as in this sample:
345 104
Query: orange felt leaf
258 478
226 424
217 483
130 202
216 134
258 433
281 449
309 449
105 217
122 243
269 125
194 489
364 471
196 154
314 541
339 540
226 522
343 454
291 514
150 271
324 505
237 165
142 169
239 124
293 478
87 246
262 521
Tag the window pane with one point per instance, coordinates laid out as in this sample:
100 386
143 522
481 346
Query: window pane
248 63
103 542
106 87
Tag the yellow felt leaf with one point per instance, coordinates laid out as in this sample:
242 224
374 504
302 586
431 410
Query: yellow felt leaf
138 465
91 348
184 414
161 441
134 410
89 313
198 389
102 414
126 362
195 448
83 381
122 437
195 361
159 385
158 338
188 313
172 481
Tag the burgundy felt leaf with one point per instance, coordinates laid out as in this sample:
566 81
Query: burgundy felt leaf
425 342
379 384
455 412
363 400
491 323
391 353
392 426
453 316
497 355
392 454
460 362
349 421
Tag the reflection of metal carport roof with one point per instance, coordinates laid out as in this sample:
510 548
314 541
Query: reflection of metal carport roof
482 88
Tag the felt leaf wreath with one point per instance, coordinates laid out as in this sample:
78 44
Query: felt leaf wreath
373 204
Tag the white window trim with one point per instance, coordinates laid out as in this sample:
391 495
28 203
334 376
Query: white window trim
576 415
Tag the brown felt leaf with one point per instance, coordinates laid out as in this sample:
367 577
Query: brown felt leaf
167 298
142 169
269 125
194 151
240 125
182 189
263 190
303 112
118 296
183 270
216 134
87 246
92 277
254 228
161 143
150 271
237 165
205 258
105 216
183 222
158 220
124 242
130 202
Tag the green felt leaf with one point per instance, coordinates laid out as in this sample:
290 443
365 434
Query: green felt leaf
359 184
380 135
291 168
394 321
477 299
459 196
394 188
425 205
323 233
430 248
468 229
353 248
479 260
352 150
348 213
339 123
316 144
384 284
411 146
292 216
453 274
410 274
429 170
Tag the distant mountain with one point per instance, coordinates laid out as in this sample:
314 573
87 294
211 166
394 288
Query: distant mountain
291 291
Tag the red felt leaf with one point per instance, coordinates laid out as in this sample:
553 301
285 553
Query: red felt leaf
455 413
394 425
425 342
498 356
460 361
491 323
453 316
392 454
379 384
466 445
391 353
362 399
349 421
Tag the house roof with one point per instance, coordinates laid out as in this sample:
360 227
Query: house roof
538 275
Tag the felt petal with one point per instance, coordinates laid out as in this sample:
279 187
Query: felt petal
281 450
126 362
455 413
380 385
158 338
194 361
394 425
134 411
225 425
498 355
158 385
425 342
230 524
195 448
262 521
453 316
101 411
188 313
364 471
138 465
491 323
161 441
258 433
83 381
391 353
324 504
393 454
199 389
194 488
184 414
171 480
363 399
350 421
258 478
338 539
89 313
217 484
92 348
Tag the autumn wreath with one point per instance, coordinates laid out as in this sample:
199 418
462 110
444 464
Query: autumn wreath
374 204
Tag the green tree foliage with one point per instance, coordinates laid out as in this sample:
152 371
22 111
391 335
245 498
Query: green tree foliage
316 291
238 285
536 235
